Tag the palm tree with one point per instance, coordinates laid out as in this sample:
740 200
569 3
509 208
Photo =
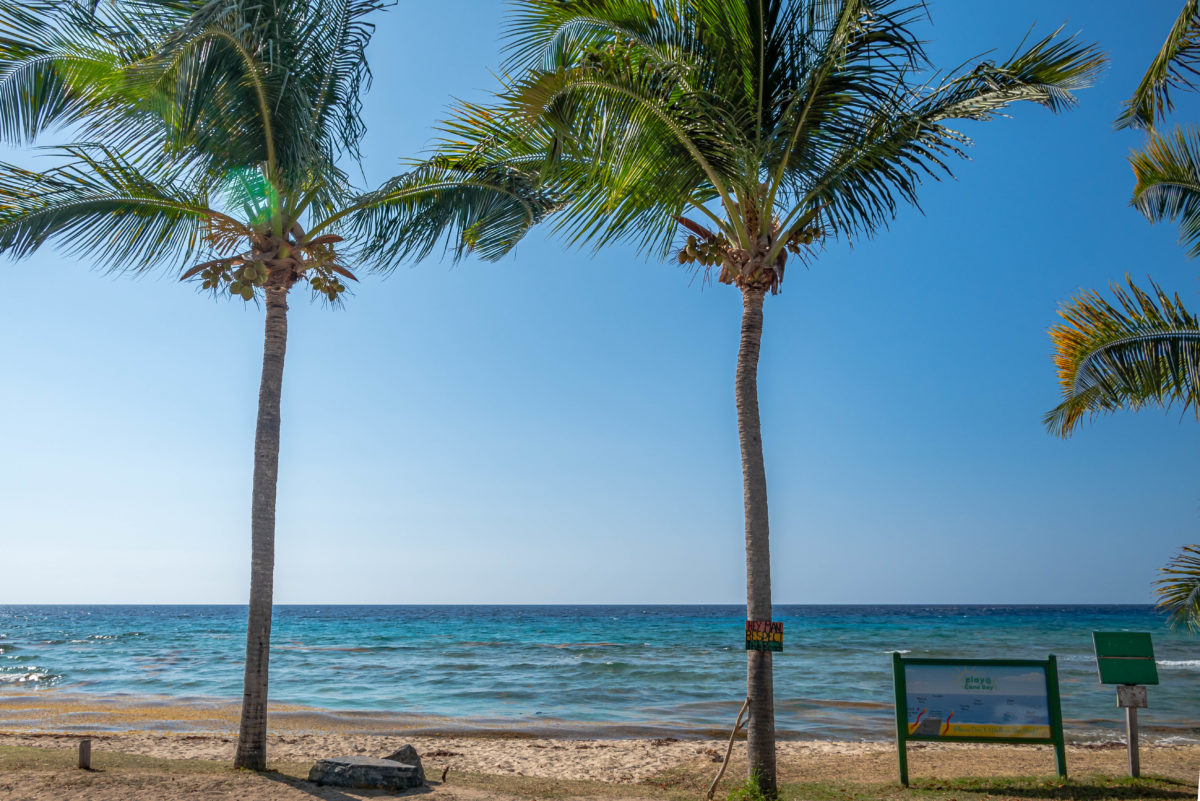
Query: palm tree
214 130
758 130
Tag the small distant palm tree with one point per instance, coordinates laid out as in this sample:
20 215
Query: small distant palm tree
213 130
735 134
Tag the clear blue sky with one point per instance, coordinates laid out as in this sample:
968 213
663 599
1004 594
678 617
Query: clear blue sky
560 427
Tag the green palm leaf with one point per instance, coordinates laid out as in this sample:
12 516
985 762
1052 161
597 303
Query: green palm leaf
1179 589
1168 182
1175 67
61 64
1143 351
101 205
479 195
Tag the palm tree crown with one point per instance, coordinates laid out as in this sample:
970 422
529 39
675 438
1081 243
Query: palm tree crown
773 123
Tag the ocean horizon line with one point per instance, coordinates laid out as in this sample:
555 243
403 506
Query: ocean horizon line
939 605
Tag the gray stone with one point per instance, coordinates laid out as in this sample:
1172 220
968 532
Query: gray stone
408 756
366 772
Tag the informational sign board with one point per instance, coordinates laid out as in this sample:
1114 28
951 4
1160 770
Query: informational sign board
764 635
977 700
1125 657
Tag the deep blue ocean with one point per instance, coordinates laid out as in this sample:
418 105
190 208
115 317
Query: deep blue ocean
634 669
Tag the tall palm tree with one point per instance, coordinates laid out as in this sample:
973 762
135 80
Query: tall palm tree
758 130
214 129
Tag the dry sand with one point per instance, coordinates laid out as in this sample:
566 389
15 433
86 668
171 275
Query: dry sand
636 761
206 732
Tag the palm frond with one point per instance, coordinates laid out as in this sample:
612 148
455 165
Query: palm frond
1142 351
1168 182
1179 589
1174 67
644 139
106 207
905 140
476 196
62 65
243 83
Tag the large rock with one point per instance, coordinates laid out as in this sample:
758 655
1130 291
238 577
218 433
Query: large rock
408 756
366 772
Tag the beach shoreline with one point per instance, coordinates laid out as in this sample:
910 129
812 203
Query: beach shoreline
67 711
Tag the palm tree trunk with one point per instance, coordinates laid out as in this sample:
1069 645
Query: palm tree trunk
760 732
252 737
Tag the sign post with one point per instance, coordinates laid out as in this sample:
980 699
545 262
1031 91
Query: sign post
1126 658
977 701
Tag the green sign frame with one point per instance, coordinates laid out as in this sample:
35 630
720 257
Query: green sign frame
1054 708
1125 657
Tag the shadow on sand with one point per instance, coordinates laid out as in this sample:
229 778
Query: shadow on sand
327 793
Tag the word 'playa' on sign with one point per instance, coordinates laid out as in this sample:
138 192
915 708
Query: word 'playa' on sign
764 635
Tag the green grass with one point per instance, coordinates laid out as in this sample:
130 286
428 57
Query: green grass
1014 788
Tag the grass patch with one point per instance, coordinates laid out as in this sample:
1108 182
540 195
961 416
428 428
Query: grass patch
19 757
536 787
41 759
1014 788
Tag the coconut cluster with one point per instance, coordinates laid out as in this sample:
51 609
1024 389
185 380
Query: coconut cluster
281 263
706 252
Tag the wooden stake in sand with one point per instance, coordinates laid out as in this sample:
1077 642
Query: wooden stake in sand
737 724
85 754
1132 697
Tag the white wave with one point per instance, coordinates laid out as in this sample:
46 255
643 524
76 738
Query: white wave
22 678
1175 739
1183 663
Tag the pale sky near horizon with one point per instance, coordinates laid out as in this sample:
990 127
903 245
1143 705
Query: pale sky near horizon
560 427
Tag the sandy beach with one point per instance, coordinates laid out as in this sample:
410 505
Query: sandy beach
203 736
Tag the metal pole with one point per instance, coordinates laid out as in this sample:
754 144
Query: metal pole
1135 768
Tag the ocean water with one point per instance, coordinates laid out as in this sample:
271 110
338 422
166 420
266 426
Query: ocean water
613 670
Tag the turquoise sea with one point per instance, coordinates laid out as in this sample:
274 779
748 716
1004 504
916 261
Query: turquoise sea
587 670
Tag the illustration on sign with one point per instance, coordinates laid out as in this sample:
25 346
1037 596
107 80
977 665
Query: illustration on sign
764 635
977 701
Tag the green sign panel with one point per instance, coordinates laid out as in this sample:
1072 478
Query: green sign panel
1125 657
764 635
977 701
